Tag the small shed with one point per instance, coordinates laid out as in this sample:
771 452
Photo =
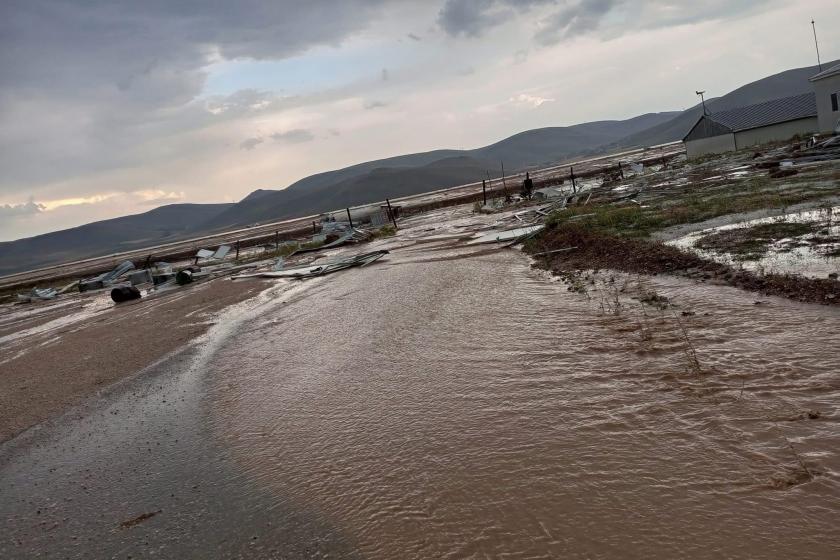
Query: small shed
734 129
827 89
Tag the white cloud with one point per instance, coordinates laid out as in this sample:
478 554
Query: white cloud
528 99
22 209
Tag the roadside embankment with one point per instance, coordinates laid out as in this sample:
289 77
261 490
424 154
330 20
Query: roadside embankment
594 249
53 361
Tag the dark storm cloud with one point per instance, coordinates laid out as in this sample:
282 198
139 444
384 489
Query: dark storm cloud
562 20
575 19
472 17
83 83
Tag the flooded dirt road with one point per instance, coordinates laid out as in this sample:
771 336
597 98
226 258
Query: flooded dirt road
452 402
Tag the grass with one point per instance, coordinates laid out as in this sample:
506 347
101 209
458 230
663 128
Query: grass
384 231
750 243
637 221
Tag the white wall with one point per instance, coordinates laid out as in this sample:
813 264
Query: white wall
823 89
711 145
775 133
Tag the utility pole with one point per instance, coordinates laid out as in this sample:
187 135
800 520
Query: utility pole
504 185
816 44
484 190
572 175
703 101
349 219
391 213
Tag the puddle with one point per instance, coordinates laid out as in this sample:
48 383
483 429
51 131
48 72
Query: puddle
814 254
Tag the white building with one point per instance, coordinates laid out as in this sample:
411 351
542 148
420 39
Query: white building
827 89
734 129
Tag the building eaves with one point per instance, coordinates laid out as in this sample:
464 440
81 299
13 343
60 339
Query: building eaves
833 71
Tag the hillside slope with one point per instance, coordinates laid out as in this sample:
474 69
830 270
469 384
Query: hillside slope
422 172
161 225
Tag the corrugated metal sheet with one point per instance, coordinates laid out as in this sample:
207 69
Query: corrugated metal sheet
767 113
756 116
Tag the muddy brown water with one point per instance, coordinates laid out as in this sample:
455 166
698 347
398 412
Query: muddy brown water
461 408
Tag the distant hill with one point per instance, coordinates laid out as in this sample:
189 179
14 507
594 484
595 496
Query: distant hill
422 172
161 225
783 84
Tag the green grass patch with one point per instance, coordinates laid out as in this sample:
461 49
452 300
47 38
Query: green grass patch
751 243
636 221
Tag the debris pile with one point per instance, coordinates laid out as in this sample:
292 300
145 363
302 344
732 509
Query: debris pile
106 279
37 294
319 269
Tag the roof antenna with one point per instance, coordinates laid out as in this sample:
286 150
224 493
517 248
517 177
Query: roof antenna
816 44
702 100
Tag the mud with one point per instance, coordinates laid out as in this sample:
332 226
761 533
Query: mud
55 355
453 401
597 250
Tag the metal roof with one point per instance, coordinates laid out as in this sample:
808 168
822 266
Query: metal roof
763 114
826 73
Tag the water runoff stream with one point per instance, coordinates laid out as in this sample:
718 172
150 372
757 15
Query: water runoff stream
453 402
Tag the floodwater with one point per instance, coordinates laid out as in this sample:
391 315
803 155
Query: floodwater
452 402
815 254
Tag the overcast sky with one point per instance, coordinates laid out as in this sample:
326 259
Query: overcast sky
110 108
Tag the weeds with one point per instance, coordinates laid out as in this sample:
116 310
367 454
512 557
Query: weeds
690 352
384 231
795 476
610 302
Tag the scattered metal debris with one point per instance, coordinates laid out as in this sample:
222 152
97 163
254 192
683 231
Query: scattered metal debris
37 294
515 235
141 277
320 269
216 255
563 250
106 279
351 236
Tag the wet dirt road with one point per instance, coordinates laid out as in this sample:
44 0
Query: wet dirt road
437 406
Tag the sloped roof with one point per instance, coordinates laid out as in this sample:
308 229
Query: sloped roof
826 73
768 113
